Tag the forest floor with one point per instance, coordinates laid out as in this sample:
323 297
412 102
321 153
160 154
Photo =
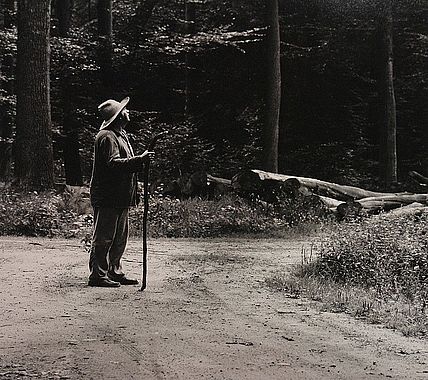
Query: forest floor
206 314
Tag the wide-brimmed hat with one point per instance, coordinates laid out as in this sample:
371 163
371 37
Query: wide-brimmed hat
110 109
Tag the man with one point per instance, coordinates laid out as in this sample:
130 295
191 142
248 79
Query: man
113 191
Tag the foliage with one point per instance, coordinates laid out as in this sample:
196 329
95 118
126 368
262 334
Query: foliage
207 218
375 269
40 214
397 313
387 254
329 91
67 213
7 98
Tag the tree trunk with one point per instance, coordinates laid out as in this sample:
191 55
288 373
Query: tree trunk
34 153
273 82
64 10
239 21
105 35
72 164
70 142
388 123
89 11
138 25
105 19
144 12
190 28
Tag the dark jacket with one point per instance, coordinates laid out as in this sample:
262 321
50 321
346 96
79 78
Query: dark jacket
114 179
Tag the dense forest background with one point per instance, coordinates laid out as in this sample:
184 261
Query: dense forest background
204 82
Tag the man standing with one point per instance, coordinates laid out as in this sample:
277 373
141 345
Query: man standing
113 191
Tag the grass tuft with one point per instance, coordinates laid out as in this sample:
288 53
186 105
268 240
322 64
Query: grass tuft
376 269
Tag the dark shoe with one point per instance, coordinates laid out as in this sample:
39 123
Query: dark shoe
103 283
123 280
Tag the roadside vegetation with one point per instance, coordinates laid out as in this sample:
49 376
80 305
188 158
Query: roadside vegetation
373 268
67 213
376 269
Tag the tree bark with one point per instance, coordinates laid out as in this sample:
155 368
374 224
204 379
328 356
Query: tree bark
105 35
34 153
138 25
239 21
388 143
273 83
190 17
105 18
70 142
72 164
64 10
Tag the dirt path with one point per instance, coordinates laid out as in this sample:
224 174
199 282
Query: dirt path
205 315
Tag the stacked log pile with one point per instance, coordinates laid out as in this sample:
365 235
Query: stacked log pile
340 199
271 188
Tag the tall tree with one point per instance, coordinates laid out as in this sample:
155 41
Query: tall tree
64 11
190 28
70 141
105 19
105 35
388 119
273 84
34 153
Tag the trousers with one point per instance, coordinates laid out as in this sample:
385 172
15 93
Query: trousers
109 239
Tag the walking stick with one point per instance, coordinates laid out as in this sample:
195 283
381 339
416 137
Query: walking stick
146 209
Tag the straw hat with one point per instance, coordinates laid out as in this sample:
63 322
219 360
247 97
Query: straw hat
110 109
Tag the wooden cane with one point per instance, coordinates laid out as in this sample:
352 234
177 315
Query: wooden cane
146 209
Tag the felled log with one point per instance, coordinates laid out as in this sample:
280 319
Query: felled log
330 203
412 208
185 187
223 181
403 199
373 205
349 209
252 180
197 184
218 186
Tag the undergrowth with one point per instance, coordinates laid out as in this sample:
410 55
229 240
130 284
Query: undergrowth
67 213
46 214
375 269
